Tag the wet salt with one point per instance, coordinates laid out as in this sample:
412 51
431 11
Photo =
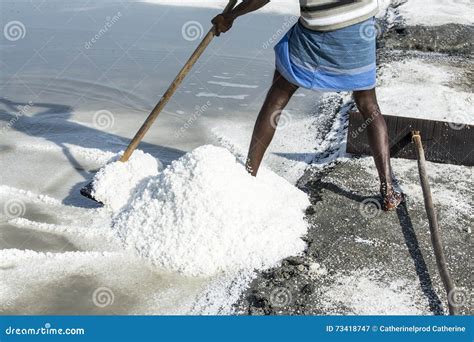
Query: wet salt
114 184
205 214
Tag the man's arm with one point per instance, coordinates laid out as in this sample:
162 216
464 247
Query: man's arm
223 22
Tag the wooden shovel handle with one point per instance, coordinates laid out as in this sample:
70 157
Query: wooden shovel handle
172 88
435 231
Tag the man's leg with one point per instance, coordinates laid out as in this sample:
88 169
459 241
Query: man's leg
366 101
377 131
277 98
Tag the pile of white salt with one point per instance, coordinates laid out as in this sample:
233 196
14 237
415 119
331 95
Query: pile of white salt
114 184
205 214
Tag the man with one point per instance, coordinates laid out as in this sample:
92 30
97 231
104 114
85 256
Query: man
331 48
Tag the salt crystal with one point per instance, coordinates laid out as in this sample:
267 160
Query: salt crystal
114 184
205 214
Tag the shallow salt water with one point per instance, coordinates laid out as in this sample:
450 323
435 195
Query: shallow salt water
70 102
73 94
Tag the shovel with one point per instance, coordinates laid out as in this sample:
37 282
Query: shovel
87 190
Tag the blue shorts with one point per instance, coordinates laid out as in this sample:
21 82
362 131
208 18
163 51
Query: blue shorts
339 60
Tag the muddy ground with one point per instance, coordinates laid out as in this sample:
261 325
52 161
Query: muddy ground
350 237
361 260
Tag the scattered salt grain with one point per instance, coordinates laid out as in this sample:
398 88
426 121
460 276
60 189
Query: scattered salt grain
364 292
205 214
317 270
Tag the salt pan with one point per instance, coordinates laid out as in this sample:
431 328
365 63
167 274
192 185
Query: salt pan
205 214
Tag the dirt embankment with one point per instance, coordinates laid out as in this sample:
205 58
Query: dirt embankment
450 38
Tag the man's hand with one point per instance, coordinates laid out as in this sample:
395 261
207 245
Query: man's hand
223 23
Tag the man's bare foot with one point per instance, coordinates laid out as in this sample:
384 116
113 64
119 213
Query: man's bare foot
391 198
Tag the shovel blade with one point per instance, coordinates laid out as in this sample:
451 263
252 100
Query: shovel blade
86 191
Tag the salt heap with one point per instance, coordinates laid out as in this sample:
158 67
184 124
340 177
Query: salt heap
114 184
205 214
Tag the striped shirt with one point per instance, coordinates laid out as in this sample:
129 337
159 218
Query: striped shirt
328 15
